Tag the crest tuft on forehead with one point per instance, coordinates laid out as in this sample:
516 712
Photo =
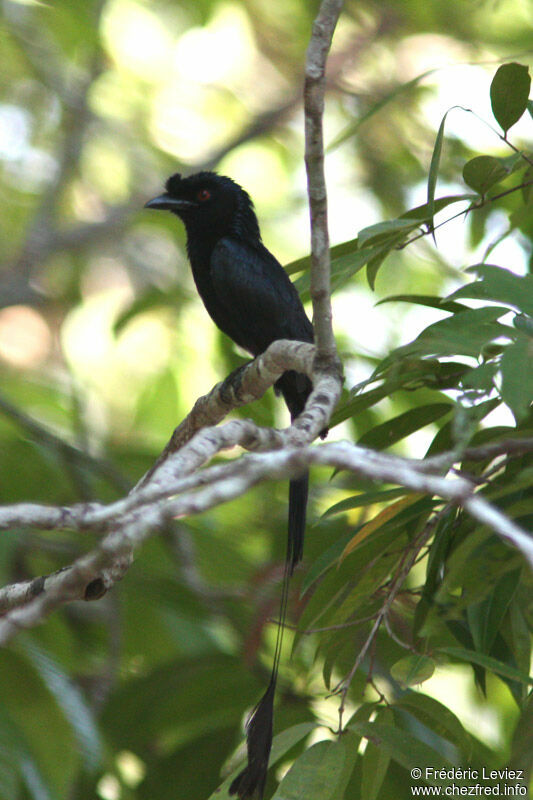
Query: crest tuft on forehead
173 182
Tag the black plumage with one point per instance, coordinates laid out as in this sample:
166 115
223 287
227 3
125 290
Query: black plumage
249 296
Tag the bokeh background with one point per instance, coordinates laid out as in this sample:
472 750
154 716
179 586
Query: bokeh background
104 344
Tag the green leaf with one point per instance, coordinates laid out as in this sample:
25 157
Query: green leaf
325 561
343 267
509 92
71 702
281 745
373 266
437 717
517 377
337 584
313 775
403 747
410 372
482 172
425 300
495 608
412 670
369 581
501 285
475 564
27 700
286 740
434 171
382 231
462 334
392 431
423 213
350 741
364 499
488 662
481 378
524 324
335 252
361 402
522 745
519 636
9 758
376 762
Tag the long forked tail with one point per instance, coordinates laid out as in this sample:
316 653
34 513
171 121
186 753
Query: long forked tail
250 783
298 492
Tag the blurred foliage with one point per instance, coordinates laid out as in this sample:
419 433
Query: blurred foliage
104 346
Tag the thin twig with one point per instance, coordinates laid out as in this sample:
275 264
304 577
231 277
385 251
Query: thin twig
406 562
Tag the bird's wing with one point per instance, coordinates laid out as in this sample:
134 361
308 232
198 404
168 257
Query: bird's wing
257 299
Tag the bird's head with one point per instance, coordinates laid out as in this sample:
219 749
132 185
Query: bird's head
209 204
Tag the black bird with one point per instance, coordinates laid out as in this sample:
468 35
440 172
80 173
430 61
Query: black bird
249 296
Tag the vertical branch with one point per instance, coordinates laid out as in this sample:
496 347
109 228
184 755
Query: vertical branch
314 90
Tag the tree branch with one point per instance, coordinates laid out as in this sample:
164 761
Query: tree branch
314 91
145 512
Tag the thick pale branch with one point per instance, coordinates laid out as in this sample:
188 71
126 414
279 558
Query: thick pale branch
89 577
249 383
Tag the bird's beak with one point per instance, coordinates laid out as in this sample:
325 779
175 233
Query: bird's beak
165 201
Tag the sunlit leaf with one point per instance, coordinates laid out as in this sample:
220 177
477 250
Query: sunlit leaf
382 231
434 170
509 92
424 300
483 660
462 334
423 213
500 285
377 522
364 499
482 172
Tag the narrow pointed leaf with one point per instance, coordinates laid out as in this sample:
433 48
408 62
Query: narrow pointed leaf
488 662
434 170
396 429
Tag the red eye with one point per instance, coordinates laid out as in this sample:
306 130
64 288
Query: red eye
203 194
